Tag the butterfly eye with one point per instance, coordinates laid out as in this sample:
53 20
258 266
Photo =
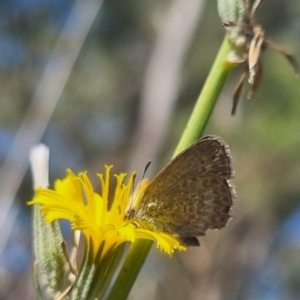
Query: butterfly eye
130 213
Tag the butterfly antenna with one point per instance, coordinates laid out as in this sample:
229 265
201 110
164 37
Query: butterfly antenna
129 210
146 168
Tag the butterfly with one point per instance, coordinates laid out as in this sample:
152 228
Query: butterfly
191 194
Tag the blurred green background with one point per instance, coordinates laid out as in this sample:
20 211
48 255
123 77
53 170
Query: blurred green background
115 82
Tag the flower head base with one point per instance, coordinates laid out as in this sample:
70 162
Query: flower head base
102 222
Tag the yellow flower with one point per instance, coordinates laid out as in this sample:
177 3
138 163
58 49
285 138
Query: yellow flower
102 222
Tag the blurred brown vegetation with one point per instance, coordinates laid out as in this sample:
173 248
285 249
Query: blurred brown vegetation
111 111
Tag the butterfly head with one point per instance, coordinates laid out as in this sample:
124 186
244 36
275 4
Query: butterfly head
130 213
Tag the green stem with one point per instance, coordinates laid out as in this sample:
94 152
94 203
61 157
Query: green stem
207 98
131 267
195 126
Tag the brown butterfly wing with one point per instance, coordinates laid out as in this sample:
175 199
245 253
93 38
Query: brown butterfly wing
209 155
192 193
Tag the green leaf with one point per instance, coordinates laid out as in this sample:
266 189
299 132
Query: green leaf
50 259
